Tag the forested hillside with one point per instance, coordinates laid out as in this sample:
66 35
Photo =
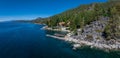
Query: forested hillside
85 14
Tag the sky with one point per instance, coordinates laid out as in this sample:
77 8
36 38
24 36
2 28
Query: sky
31 9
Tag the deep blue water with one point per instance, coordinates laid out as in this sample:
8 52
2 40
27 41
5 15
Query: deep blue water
26 40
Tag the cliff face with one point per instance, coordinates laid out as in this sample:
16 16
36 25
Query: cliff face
94 30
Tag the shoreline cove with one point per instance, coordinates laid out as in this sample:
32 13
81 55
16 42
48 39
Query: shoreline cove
91 35
30 41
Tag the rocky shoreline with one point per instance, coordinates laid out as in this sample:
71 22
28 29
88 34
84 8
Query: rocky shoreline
91 35
80 43
96 44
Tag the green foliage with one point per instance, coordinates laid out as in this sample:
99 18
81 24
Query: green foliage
78 17
112 30
84 14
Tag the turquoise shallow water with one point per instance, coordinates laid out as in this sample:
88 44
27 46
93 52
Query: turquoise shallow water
26 40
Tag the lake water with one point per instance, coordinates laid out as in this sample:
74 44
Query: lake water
26 40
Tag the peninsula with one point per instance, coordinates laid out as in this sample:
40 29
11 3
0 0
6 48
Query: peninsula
95 25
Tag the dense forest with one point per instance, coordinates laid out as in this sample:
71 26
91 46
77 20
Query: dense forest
84 14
